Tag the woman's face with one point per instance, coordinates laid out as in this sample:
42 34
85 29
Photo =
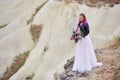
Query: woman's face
81 18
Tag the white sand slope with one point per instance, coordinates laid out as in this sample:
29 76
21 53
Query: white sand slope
16 43
10 9
16 38
21 20
58 20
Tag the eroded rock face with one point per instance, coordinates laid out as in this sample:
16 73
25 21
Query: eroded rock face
96 3
68 66
68 74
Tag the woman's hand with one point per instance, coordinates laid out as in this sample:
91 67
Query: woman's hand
79 37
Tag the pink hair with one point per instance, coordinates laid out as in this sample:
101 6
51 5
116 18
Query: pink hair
84 22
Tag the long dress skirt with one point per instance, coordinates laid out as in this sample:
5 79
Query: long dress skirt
85 57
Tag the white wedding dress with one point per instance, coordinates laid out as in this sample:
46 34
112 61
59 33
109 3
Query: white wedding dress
85 57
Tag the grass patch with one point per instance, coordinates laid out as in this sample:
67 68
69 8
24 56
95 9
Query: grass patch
16 65
117 74
34 14
114 44
118 41
46 48
2 26
30 77
35 31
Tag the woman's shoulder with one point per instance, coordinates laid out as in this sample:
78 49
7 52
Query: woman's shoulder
86 24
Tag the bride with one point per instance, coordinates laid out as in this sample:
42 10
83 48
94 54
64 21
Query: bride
85 58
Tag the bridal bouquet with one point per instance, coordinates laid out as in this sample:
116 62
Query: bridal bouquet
75 36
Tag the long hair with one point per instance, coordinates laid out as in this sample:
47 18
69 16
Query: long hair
84 21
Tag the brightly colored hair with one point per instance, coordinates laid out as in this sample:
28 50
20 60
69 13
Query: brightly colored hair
84 21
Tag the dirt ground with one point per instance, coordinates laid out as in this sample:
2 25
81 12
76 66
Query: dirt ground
111 66
110 70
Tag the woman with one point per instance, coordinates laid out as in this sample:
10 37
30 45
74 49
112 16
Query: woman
85 58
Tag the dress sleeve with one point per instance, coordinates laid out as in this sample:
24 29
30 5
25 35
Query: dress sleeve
87 30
